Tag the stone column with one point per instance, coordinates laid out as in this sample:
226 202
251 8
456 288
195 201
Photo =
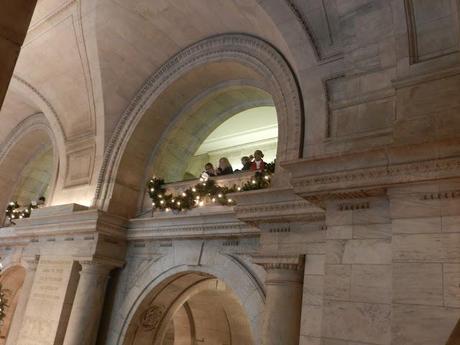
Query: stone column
30 265
87 306
283 305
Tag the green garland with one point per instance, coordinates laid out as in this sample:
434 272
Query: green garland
3 303
16 211
207 191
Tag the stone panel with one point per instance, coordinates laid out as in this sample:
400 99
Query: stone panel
337 282
373 251
418 284
45 308
427 247
417 225
360 322
312 320
432 28
372 231
313 287
420 325
371 283
452 285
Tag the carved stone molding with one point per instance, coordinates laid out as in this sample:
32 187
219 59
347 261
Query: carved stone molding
30 263
275 205
310 34
150 319
34 122
280 262
367 174
191 225
247 50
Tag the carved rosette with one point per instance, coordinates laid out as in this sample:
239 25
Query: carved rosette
150 319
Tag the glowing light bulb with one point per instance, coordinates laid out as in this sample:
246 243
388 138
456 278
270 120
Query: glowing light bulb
152 189
162 202
178 203
213 200
167 209
193 189
201 203
219 195
230 200
153 204
239 188
183 194
253 181
267 177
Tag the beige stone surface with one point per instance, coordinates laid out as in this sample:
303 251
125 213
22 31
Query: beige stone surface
366 190
49 292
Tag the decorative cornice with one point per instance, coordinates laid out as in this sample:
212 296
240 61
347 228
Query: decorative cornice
192 225
87 225
380 176
245 49
297 210
274 205
280 262
369 173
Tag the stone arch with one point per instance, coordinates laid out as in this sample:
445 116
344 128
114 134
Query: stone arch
246 56
11 280
195 122
27 138
158 318
239 277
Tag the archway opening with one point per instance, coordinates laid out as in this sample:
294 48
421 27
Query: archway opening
11 281
35 178
242 134
233 72
187 309
28 167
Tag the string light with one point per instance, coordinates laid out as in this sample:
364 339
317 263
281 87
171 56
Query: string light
196 196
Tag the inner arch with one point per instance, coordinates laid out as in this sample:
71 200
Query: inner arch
190 308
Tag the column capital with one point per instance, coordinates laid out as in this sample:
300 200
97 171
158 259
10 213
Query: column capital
97 267
280 262
30 263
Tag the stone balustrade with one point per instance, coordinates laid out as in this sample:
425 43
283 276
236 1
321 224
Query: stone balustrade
238 179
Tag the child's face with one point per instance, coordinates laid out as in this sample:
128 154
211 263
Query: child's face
257 156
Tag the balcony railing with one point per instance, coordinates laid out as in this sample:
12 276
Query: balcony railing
176 188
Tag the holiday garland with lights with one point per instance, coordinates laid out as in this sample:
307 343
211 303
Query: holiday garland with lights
3 304
15 211
207 191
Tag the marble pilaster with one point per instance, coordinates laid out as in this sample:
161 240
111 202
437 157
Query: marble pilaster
87 307
284 283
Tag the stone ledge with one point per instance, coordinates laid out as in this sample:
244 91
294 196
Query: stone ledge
367 173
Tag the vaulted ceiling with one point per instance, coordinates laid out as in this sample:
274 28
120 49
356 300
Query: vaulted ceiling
84 61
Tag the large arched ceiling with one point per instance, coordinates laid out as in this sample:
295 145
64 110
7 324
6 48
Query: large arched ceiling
15 109
135 38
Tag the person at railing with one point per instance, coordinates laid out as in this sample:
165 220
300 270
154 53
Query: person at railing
209 169
225 167
258 164
246 162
